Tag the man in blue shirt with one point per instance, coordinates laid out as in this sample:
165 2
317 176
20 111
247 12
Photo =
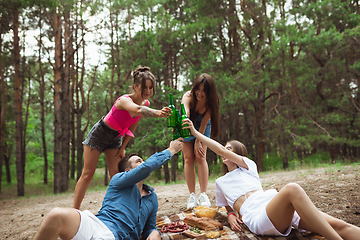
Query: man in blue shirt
128 210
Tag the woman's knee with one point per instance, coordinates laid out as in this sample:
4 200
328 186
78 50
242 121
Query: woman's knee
87 176
338 225
201 160
293 190
56 215
189 161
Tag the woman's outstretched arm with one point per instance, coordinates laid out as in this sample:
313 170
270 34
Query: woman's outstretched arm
215 146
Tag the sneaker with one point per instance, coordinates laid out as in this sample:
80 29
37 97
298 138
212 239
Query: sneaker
192 201
204 200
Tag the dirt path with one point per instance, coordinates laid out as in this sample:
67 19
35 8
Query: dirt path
334 190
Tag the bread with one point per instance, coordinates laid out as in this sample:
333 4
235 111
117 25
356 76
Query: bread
203 223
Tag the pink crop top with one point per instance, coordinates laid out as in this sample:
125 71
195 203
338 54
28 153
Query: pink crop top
121 120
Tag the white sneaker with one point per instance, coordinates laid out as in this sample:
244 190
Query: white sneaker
192 201
204 200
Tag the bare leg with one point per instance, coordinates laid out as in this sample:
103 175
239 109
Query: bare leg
189 168
290 198
345 230
63 222
91 158
203 171
112 162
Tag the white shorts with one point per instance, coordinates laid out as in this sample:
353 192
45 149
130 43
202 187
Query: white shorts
91 228
254 216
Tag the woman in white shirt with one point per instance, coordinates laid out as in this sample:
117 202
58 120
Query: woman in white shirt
267 212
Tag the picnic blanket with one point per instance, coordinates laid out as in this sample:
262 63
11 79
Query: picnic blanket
226 233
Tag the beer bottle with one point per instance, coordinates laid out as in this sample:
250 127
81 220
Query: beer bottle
184 132
171 121
177 128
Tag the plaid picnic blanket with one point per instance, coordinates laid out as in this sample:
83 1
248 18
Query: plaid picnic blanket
226 233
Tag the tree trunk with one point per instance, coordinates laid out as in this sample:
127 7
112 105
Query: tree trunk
259 108
20 171
174 160
73 146
3 112
333 153
65 112
42 108
57 102
283 151
106 177
166 172
248 132
79 145
7 165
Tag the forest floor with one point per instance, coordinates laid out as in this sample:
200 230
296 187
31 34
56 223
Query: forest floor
334 190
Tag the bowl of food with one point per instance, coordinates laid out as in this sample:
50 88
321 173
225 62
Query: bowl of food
204 211
212 233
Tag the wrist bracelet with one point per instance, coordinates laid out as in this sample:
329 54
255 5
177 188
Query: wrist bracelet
231 214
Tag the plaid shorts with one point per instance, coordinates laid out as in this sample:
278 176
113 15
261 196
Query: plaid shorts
102 137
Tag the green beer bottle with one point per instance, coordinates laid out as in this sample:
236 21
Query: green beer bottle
177 128
184 132
171 121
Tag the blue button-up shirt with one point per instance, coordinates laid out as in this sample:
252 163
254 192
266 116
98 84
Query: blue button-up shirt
124 211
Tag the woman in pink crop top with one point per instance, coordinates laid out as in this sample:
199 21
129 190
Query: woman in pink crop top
267 212
112 133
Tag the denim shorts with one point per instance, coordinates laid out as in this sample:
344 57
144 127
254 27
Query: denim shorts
197 127
102 137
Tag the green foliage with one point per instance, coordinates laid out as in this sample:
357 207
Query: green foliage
286 77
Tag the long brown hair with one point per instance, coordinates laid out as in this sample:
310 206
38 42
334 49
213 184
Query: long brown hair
140 75
212 101
237 148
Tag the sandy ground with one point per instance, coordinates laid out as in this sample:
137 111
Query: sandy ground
334 190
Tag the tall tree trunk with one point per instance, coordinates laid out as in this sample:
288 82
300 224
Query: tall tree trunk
72 94
79 145
259 111
7 163
73 146
57 102
3 112
24 126
166 172
42 105
20 171
174 160
65 110
112 47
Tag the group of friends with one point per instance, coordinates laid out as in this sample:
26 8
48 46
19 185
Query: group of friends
129 207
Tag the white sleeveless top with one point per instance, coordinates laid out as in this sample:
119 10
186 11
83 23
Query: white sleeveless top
236 183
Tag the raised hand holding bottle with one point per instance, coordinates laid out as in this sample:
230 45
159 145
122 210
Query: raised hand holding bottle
184 132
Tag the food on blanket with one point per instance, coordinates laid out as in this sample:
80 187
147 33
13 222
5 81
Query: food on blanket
195 229
158 219
161 223
174 227
205 211
191 234
203 223
212 234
